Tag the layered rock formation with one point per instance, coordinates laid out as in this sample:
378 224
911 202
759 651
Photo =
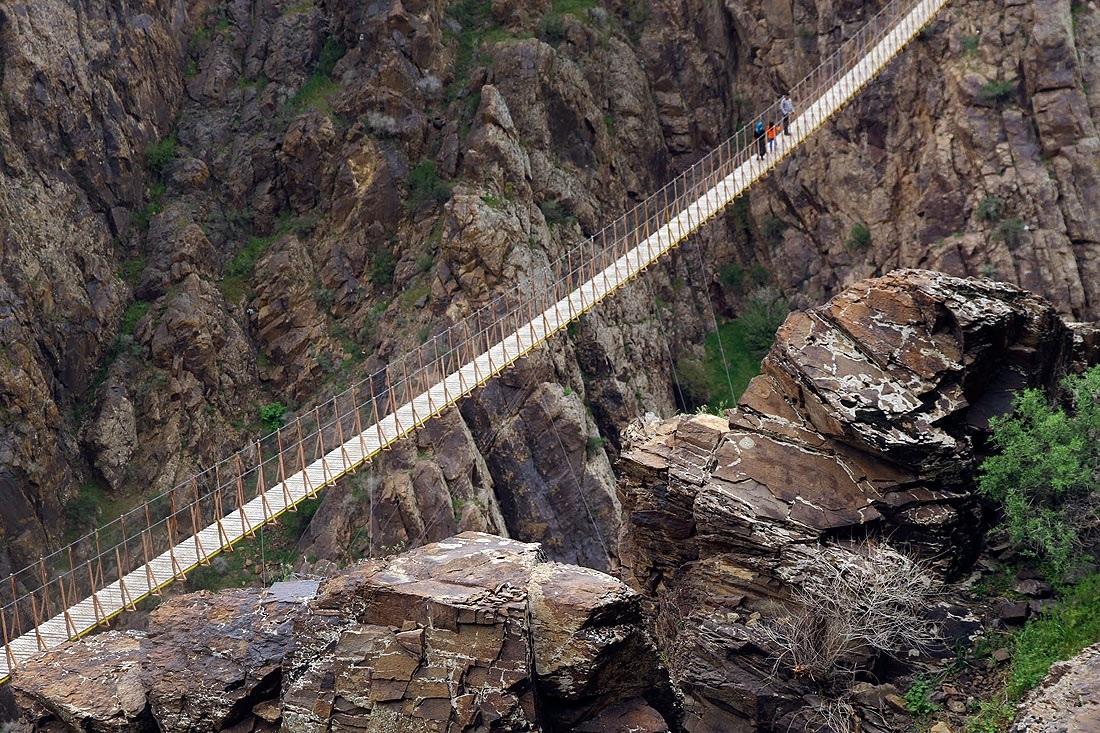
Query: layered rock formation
211 209
865 423
470 634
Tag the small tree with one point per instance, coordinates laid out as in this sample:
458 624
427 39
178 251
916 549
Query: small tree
1045 470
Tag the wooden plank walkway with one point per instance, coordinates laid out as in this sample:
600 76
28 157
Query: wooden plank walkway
239 523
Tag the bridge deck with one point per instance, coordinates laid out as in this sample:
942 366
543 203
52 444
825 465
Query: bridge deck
174 563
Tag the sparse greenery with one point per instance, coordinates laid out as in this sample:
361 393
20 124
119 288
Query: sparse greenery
732 276
989 209
1010 231
320 87
426 187
742 342
1044 471
239 270
859 237
692 382
272 416
764 314
999 92
160 154
773 228
594 445
1059 633
556 213
991 716
918 696
383 266
134 313
970 45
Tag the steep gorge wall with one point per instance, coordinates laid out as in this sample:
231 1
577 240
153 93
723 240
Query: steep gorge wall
544 131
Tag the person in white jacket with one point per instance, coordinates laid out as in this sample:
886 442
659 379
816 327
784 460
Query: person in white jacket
786 108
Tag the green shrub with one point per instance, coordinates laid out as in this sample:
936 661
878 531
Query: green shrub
989 209
272 416
160 154
331 52
1011 231
773 229
732 276
692 382
998 92
552 29
970 45
1060 633
134 313
764 314
555 212
1043 472
992 716
426 187
918 696
859 237
383 266
84 510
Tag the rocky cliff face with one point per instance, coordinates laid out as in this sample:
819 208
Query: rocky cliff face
216 206
475 633
863 427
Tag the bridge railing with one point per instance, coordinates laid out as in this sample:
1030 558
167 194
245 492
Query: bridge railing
217 495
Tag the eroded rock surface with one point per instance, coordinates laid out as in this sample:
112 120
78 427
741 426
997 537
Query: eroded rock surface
1068 699
471 633
863 423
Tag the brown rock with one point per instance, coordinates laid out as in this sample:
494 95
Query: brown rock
863 405
1067 699
96 685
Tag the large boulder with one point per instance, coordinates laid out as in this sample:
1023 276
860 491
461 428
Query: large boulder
863 424
472 633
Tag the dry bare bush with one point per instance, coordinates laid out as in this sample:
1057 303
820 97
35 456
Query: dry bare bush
846 606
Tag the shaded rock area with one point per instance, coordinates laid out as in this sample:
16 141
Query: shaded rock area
1068 699
473 633
865 423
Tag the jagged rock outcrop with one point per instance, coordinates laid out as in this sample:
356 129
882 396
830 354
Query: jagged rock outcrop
1068 698
472 633
864 423
286 185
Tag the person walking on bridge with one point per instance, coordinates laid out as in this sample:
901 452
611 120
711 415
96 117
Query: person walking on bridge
761 141
786 108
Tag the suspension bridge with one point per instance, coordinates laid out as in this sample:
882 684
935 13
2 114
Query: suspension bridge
67 594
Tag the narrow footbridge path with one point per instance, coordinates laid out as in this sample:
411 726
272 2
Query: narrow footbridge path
72 591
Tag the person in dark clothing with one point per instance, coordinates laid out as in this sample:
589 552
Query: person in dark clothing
761 140
786 108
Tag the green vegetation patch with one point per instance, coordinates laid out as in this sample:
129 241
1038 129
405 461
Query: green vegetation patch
319 87
998 92
242 267
426 187
134 313
160 154
859 238
1043 472
734 352
1059 633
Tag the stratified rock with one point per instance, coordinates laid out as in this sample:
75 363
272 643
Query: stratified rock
862 424
473 633
444 636
95 685
1068 699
